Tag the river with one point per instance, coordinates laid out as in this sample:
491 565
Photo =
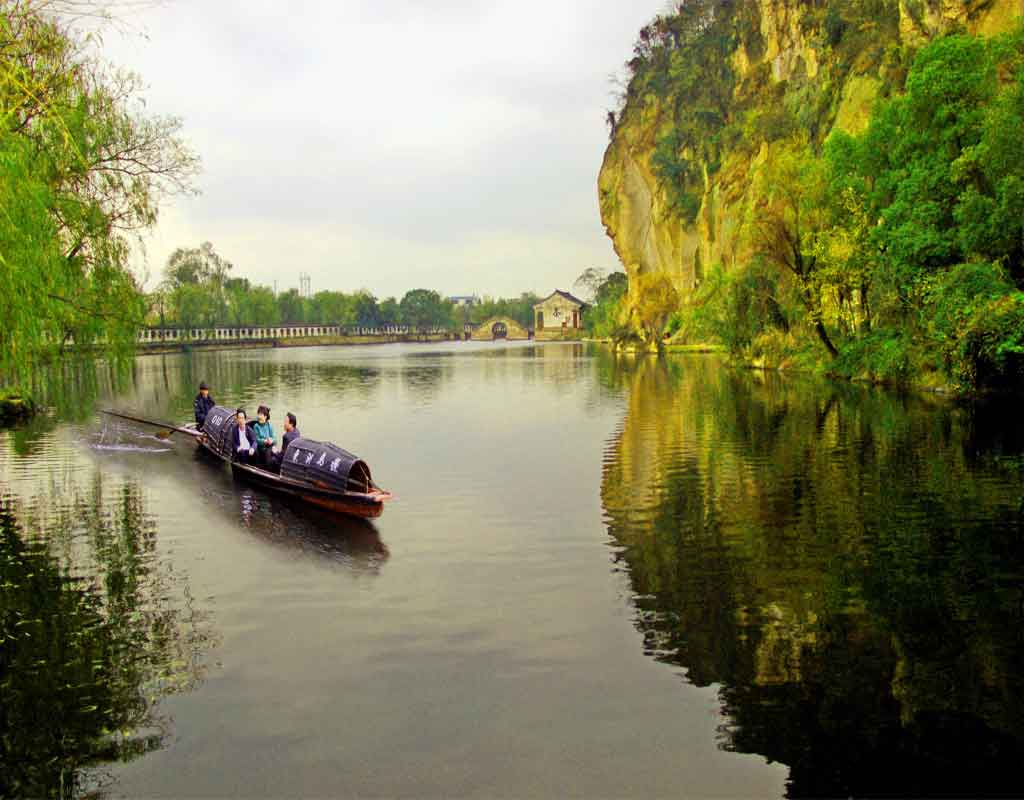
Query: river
600 576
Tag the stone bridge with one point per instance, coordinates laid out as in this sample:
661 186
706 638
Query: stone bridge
499 328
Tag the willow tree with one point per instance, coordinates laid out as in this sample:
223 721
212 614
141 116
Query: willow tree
82 170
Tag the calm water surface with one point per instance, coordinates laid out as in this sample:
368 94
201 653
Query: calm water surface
600 576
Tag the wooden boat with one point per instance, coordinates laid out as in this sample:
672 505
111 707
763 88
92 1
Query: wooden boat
319 473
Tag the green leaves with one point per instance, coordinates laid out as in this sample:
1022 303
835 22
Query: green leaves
422 309
80 172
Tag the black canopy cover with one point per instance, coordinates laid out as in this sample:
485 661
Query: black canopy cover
218 426
325 464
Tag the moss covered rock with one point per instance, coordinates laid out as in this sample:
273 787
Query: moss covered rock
15 406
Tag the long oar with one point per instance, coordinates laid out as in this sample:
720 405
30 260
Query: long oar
168 429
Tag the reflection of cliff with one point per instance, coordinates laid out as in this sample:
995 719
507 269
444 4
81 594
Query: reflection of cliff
92 637
844 563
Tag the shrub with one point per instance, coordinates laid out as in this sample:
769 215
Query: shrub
975 317
991 351
883 354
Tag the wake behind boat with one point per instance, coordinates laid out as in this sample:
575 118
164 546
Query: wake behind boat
319 473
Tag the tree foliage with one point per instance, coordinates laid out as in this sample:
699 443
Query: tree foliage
604 318
423 309
655 301
901 249
82 169
940 171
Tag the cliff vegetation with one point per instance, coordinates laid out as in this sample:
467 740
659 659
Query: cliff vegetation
827 185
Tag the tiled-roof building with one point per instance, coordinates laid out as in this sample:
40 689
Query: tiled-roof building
559 312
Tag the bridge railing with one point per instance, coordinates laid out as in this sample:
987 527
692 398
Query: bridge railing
272 333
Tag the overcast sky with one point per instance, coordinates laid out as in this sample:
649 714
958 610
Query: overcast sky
451 145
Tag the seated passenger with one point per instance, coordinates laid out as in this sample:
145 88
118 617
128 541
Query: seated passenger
264 433
245 449
290 433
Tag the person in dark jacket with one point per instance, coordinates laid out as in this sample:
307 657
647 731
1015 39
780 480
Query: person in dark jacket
290 433
244 445
203 403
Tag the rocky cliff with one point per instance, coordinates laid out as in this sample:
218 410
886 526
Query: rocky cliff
714 86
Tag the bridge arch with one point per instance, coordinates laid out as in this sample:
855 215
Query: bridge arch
497 328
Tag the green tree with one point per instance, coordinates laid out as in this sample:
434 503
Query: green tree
602 318
935 187
81 172
423 309
250 305
293 308
331 308
263 306
365 310
198 305
200 265
656 300
784 224
389 312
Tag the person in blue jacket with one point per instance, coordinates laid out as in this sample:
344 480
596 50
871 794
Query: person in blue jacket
264 433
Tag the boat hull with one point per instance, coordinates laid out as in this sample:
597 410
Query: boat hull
368 506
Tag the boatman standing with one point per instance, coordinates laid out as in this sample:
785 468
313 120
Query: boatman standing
203 403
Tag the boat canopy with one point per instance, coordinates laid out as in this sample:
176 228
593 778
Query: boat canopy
218 426
326 465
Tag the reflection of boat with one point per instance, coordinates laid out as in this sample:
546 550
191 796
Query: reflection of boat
296 526
317 473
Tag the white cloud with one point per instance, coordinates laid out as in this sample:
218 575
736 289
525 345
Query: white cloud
453 145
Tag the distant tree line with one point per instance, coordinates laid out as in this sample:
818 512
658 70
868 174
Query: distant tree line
199 291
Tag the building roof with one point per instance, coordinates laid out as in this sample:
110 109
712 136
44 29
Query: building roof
466 298
564 296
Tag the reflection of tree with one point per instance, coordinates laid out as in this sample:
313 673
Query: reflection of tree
91 640
845 564
424 376
67 391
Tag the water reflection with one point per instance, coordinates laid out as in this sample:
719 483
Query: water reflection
347 541
847 565
95 630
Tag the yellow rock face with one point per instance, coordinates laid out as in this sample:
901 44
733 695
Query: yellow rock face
636 213
922 19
